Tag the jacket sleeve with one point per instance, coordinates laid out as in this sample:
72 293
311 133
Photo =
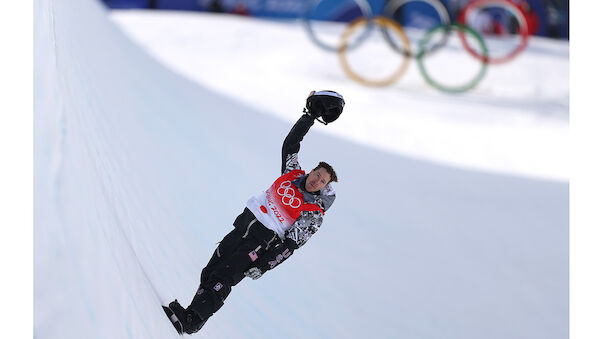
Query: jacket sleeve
304 227
292 142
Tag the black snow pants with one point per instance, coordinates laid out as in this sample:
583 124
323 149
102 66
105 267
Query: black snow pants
234 255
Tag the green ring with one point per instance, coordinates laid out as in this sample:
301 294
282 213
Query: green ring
423 52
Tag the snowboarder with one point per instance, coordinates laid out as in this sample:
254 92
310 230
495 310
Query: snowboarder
273 224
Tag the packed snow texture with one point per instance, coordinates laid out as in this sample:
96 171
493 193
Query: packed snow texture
516 121
140 171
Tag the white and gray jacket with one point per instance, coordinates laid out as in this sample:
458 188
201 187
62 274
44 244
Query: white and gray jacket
308 222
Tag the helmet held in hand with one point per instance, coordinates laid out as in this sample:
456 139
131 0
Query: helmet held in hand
327 105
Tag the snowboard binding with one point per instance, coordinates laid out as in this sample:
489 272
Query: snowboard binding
177 324
184 321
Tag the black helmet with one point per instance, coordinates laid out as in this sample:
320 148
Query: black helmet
325 104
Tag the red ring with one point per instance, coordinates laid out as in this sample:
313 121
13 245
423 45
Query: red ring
523 29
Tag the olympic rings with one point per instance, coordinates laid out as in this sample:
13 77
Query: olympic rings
365 8
285 191
514 9
426 47
453 89
394 5
384 23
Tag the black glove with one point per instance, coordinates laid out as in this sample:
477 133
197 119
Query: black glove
327 105
310 109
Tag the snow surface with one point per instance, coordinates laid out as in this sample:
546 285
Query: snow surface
139 171
516 121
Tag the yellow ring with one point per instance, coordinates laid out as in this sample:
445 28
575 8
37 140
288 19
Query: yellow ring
382 22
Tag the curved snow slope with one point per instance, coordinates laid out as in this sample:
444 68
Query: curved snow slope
516 121
138 173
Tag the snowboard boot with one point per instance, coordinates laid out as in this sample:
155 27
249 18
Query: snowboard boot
207 301
189 320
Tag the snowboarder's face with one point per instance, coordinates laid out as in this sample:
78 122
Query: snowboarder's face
317 180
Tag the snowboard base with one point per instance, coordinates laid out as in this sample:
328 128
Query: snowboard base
173 319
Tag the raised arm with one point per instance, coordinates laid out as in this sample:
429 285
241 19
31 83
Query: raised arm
327 105
292 142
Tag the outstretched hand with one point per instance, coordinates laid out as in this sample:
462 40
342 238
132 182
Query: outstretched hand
311 111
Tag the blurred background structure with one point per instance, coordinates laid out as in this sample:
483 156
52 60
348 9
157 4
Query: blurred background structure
549 18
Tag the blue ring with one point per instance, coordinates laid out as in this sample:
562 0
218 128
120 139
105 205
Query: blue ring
365 8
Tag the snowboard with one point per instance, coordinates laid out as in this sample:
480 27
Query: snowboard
173 319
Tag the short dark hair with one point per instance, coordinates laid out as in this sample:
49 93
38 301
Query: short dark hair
329 170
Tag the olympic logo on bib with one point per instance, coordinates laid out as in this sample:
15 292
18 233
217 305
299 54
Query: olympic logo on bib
288 194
